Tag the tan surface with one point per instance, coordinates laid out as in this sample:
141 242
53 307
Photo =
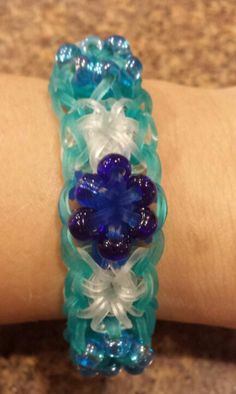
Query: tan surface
193 43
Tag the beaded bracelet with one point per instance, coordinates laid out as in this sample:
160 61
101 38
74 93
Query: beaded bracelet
112 206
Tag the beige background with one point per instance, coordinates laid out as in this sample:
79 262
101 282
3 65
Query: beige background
192 42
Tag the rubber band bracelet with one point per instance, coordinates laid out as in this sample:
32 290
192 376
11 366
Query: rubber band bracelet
112 206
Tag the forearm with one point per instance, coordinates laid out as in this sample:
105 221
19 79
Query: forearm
197 272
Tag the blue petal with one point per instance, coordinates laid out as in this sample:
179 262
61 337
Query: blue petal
90 191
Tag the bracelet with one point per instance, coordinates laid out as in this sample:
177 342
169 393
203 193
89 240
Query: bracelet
112 206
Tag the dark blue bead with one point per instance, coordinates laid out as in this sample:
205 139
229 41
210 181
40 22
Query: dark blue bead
133 68
145 187
117 45
78 175
147 224
72 193
81 225
114 249
88 190
101 261
114 165
66 53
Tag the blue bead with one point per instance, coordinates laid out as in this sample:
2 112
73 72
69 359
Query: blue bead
98 72
88 190
111 68
104 69
78 175
92 357
140 356
89 70
145 187
114 249
118 348
81 224
133 68
66 53
101 261
91 45
117 45
147 224
72 193
84 71
114 165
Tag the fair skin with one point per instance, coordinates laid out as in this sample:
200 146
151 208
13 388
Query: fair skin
197 148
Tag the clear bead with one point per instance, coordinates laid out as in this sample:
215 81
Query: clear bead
92 356
134 68
117 45
91 45
66 53
118 348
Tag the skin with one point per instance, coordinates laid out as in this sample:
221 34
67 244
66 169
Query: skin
197 148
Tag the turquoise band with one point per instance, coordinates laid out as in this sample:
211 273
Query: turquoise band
88 77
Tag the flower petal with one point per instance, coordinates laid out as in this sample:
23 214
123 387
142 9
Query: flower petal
89 191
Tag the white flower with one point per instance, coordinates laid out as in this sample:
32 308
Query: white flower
112 292
104 130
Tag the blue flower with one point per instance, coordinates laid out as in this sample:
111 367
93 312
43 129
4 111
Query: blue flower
107 355
94 59
114 208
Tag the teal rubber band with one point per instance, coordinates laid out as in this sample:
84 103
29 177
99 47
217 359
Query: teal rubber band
71 92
